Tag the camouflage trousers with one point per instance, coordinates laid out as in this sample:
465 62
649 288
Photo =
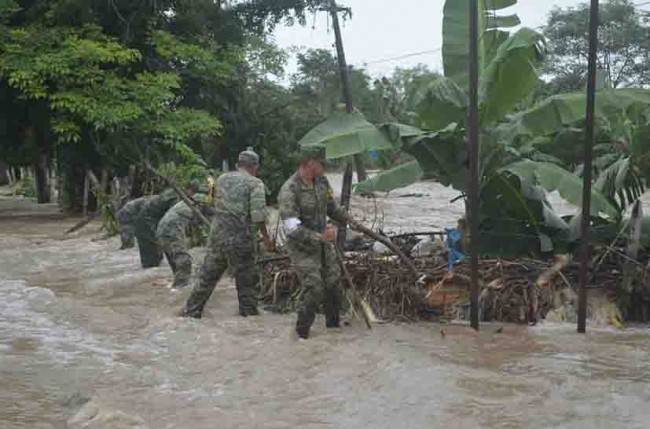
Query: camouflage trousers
127 236
150 252
319 275
238 255
179 259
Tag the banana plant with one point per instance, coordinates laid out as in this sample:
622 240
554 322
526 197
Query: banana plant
513 185
514 177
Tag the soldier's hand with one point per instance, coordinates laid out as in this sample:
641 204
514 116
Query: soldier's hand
329 234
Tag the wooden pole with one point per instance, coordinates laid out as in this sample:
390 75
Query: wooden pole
344 72
585 251
473 138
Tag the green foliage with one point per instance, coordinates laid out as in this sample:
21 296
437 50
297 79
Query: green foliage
623 49
511 75
344 134
439 104
402 175
524 155
182 174
455 30
25 187
552 177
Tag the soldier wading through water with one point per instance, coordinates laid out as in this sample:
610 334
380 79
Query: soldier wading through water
126 218
240 212
147 222
172 237
306 200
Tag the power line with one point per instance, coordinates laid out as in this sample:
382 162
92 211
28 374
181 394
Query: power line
401 57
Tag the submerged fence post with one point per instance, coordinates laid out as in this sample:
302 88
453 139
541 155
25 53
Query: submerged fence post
585 250
473 138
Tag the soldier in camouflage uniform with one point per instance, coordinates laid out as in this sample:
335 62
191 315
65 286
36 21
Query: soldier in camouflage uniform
172 237
147 222
126 217
240 212
306 200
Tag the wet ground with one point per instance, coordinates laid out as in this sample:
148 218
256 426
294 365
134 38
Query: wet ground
80 322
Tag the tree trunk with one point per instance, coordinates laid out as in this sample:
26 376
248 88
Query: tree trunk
362 175
41 179
135 180
85 196
5 179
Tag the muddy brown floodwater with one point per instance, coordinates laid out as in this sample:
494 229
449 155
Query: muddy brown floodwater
88 340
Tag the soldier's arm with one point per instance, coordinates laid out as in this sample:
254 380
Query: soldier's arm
334 211
290 215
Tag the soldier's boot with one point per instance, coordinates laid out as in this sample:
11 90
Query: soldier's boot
196 314
128 241
248 311
246 280
192 309
306 317
182 271
332 308
150 255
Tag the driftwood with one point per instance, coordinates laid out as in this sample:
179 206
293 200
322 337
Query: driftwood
82 223
190 202
357 301
359 227
419 234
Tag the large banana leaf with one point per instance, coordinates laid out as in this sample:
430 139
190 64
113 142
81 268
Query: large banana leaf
345 134
440 103
511 75
441 155
620 183
560 111
516 218
397 132
455 32
398 177
554 178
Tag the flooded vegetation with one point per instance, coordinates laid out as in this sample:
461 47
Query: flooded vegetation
88 339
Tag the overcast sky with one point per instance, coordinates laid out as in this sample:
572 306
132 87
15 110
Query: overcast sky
383 29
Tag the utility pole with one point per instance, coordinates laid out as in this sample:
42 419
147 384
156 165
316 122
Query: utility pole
344 72
473 138
585 249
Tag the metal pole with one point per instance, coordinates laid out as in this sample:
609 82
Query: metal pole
344 72
473 138
585 250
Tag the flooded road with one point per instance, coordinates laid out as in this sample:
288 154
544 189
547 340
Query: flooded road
82 327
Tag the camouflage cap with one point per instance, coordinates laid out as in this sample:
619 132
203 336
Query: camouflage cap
314 153
248 157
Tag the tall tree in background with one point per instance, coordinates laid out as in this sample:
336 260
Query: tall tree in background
85 82
623 46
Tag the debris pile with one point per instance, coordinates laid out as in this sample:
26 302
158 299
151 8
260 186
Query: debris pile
517 290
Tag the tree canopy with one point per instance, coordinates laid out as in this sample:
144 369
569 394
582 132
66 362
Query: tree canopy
623 45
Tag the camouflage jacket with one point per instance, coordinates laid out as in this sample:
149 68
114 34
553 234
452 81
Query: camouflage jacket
310 204
130 211
177 220
156 208
240 205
